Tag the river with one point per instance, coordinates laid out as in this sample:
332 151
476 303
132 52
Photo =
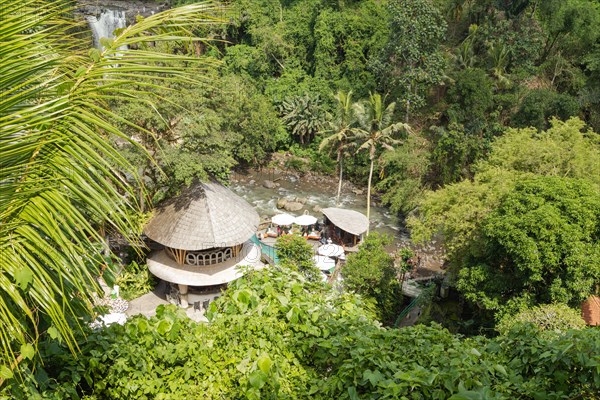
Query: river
318 191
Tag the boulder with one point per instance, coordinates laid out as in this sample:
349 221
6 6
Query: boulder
293 206
293 178
281 203
301 200
269 184
317 208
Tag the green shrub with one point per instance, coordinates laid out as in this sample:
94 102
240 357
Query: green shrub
296 164
318 161
541 104
545 317
296 254
135 280
371 273
276 335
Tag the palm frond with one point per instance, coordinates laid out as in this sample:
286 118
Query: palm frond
59 176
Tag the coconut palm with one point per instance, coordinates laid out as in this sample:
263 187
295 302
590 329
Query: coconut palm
376 131
340 129
59 177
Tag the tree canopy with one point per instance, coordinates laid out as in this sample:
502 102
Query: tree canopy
274 334
526 228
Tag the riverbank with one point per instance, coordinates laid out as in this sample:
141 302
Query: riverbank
268 188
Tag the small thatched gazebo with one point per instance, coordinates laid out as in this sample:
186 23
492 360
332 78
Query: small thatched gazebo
206 233
346 226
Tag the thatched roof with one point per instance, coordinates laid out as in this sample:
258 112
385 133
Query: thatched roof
203 216
348 220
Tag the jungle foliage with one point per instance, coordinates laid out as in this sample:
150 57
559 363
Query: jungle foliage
480 82
525 230
460 73
276 335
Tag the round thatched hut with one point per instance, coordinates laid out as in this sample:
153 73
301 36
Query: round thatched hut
345 226
206 233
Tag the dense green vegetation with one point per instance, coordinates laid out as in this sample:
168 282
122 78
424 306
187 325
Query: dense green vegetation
477 120
550 319
276 335
372 273
459 72
525 230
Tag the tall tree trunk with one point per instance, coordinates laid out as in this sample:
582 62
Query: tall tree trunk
340 163
369 195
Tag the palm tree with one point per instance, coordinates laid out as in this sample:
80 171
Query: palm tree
340 128
375 131
60 179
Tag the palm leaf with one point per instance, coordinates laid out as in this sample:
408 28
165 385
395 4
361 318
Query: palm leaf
59 175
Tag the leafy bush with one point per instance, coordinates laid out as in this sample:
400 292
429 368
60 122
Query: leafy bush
296 164
545 317
135 280
319 162
541 104
275 335
296 254
371 273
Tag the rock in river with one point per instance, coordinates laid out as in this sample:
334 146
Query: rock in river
281 203
293 206
269 184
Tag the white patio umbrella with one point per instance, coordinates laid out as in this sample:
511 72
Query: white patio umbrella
324 263
331 250
305 220
283 219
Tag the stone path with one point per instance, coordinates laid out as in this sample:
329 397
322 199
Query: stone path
146 304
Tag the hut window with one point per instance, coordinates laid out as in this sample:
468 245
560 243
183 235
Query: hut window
208 257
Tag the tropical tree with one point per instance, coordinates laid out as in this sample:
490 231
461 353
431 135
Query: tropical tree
539 246
372 273
60 176
523 231
412 60
304 116
376 131
341 130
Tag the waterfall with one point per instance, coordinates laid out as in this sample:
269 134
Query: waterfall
105 24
